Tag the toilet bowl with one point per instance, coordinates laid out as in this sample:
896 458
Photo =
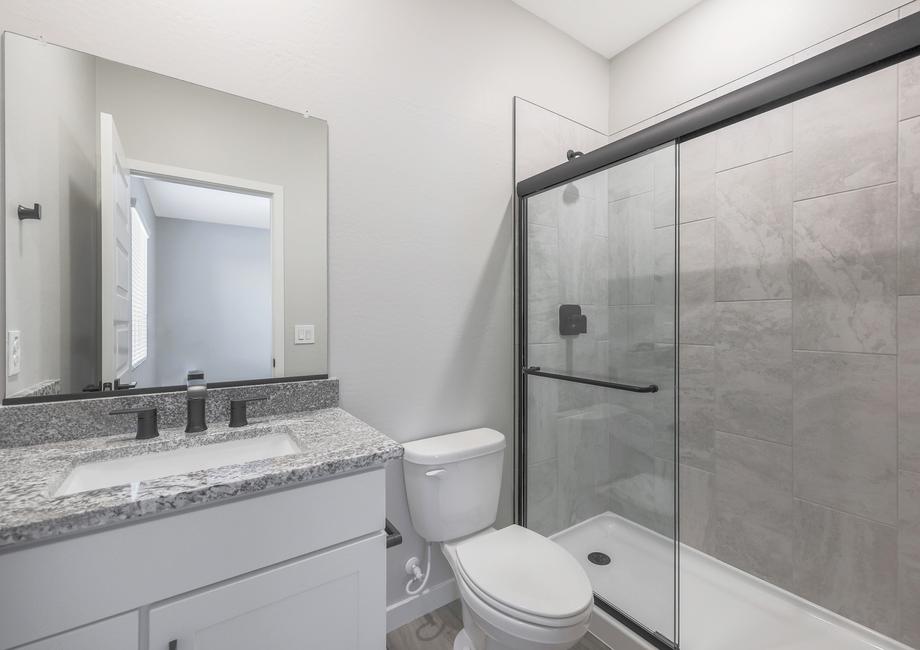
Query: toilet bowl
519 590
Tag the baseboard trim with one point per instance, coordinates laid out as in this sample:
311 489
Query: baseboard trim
404 611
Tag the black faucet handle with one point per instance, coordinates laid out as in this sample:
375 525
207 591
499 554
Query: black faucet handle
146 421
117 385
238 410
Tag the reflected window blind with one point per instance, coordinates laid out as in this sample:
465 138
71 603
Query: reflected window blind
139 238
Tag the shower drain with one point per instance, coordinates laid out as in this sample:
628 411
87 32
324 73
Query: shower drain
596 557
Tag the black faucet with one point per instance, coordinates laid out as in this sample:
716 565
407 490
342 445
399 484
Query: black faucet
146 421
197 401
238 410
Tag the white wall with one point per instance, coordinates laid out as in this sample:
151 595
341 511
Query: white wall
50 132
719 41
418 96
214 295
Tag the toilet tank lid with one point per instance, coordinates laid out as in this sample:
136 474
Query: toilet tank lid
452 447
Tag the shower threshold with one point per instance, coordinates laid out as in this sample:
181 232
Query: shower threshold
722 608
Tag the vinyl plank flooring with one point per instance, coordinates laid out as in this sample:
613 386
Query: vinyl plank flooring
436 631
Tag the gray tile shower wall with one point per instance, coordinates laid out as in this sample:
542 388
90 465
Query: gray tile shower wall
28 424
800 348
591 449
568 448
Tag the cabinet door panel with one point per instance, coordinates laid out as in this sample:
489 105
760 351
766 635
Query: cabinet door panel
118 633
333 600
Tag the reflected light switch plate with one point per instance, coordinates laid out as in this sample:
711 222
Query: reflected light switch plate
13 352
303 335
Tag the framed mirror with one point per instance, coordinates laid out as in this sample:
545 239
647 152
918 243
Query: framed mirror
153 228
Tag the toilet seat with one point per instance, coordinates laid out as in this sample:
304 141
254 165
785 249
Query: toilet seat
525 576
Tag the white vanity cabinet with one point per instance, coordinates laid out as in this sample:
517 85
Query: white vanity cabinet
117 633
297 568
329 601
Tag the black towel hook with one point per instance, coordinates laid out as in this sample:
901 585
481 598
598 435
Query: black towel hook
35 212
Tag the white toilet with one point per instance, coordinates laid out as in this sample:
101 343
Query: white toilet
519 590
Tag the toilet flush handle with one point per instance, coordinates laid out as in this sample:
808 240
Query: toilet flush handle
436 473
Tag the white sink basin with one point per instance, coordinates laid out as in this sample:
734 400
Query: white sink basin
134 469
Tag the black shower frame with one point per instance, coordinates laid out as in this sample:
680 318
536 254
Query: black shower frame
878 49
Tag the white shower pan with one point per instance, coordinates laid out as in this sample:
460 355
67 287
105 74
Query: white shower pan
721 607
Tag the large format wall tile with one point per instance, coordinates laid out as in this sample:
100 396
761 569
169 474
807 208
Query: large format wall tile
846 432
845 282
696 526
697 281
583 445
664 163
909 88
635 213
631 178
909 518
543 284
542 411
909 198
664 289
618 252
582 259
642 489
618 325
753 506
847 564
542 497
754 231
909 556
909 579
762 136
697 405
909 382
846 137
640 360
697 179
754 369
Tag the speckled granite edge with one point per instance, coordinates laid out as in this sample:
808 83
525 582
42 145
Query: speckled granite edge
331 442
30 424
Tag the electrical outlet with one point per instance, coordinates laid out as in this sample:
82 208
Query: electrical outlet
304 335
13 352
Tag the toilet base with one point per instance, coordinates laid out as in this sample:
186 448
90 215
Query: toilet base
462 642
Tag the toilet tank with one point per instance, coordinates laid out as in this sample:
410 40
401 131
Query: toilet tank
453 482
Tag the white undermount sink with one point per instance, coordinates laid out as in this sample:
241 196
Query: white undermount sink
134 469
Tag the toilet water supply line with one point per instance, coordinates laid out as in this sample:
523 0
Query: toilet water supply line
417 573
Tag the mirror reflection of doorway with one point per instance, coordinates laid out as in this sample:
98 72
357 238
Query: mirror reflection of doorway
191 276
208 273
198 247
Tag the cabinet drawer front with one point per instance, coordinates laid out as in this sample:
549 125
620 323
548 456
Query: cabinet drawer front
333 600
119 633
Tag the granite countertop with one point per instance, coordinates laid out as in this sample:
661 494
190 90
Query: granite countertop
330 442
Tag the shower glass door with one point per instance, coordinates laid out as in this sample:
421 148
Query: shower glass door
598 407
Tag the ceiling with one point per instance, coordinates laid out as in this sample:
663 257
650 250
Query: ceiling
212 205
607 26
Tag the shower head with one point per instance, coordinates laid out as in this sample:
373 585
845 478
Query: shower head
571 154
